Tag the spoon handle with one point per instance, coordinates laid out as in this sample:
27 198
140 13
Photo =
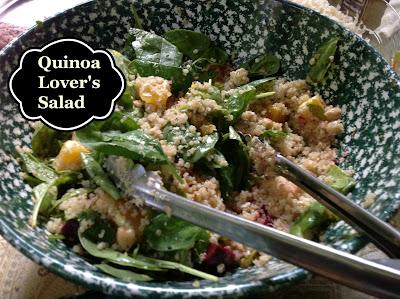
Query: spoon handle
384 236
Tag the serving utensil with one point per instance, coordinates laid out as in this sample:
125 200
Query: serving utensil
367 276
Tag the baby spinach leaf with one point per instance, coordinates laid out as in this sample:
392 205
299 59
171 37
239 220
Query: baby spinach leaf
205 147
153 48
180 81
47 142
192 147
135 145
68 195
263 65
37 168
99 176
176 266
261 85
165 233
123 274
43 195
238 101
116 257
46 193
100 230
191 43
235 176
341 181
323 60
121 61
275 135
215 55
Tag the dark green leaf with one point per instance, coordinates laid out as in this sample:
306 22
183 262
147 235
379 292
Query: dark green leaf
192 147
46 142
135 145
216 55
190 43
138 21
180 81
176 266
99 176
237 102
274 135
116 256
264 65
339 180
70 194
236 175
123 274
46 193
100 230
37 168
165 233
323 60
150 47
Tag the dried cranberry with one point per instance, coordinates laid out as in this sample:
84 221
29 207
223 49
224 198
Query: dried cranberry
217 254
265 218
70 231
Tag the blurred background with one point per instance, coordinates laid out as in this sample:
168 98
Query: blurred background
377 21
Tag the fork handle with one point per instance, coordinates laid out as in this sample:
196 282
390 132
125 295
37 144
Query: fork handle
384 236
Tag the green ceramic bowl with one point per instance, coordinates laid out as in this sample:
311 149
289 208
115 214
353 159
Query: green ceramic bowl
362 83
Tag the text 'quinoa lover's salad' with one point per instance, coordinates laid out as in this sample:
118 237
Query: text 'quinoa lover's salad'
208 131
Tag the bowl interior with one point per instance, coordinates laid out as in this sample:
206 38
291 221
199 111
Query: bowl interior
361 83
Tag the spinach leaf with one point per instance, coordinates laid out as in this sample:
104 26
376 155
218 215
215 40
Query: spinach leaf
43 195
191 43
165 233
235 176
69 194
139 261
341 181
274 135
122 62
261 85
46 193
99 176
176 266
101 229
192 146
180 80
123 274
323 60
238 101
47 142
37 168
264 65
116 257
153 48
135 145
118 121
215 55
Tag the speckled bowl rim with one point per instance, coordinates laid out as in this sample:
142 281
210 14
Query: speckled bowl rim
251 290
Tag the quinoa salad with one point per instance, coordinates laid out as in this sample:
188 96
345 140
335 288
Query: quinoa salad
208 130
